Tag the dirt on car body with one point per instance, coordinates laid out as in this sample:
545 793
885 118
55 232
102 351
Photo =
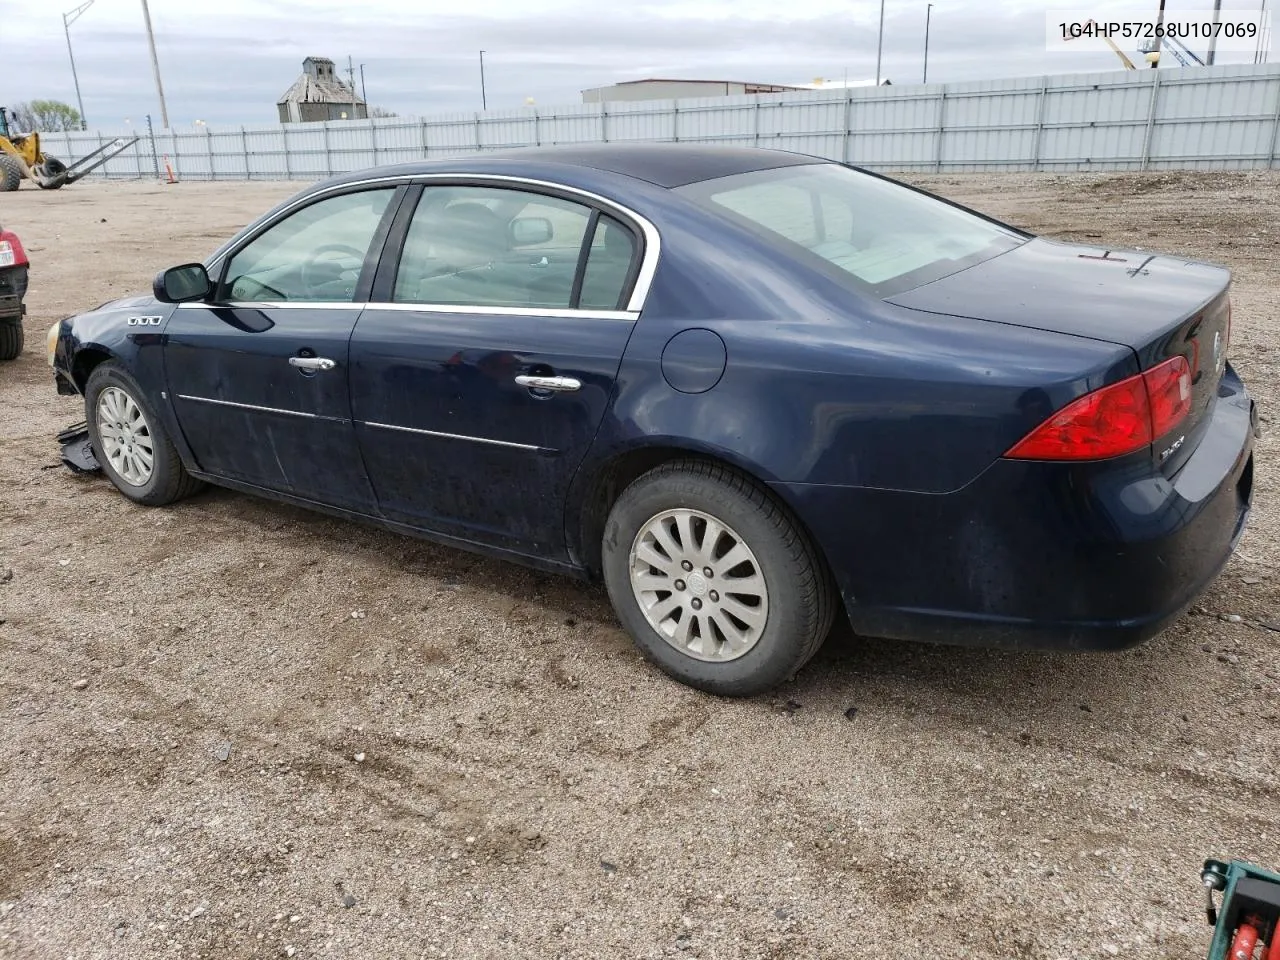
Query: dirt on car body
236 729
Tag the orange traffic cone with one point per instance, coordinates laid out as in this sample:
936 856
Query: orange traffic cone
169 170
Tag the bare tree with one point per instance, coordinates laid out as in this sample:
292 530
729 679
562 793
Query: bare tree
21 119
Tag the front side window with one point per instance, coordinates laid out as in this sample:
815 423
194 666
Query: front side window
874 235
499 247
314 254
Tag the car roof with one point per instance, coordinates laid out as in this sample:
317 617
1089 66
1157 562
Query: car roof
665 165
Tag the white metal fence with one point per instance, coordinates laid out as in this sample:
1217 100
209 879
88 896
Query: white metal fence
1224 117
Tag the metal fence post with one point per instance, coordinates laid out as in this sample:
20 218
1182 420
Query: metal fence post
537 134
756 122
328 156
244 147
151 136
604 122
1151 118
425 148
478 146
373 140
284 139
848 123
675 121
1040 108
942 130
1275 132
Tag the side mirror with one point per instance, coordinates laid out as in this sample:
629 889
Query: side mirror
527 231
180 284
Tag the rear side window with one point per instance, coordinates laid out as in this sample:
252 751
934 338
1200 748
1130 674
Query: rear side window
500 247
608 268
874 235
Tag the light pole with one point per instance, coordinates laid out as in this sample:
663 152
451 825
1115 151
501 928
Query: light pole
67 20
484 102
880 43
155 65
1155 61
927 14
364 93
1213 38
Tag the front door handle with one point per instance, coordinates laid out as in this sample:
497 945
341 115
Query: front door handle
312 363
558 384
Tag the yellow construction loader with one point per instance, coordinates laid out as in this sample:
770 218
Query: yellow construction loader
22 159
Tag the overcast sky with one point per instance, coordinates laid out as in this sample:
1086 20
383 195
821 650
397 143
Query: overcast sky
228 62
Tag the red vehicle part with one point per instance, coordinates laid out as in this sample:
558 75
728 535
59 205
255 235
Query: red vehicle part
11 252
1246 939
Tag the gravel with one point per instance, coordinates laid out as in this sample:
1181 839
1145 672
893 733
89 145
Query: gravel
1008 805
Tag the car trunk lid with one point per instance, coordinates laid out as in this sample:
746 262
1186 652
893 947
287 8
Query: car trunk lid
1159 306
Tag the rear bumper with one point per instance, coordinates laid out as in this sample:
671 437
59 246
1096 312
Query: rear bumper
1048 556
13 287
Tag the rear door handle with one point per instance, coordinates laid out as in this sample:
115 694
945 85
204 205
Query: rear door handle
312 363
557 384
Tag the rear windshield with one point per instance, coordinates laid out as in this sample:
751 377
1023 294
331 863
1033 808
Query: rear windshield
875 235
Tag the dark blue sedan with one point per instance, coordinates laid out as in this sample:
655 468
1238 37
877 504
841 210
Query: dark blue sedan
743 387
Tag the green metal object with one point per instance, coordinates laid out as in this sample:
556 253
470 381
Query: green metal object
1225 877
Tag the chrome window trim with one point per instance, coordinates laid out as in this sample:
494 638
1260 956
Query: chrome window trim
275 305
416 308
258 409
506 311
455 436
652 238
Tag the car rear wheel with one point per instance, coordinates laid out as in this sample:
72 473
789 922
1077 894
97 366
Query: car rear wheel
713 579
10 339
130 442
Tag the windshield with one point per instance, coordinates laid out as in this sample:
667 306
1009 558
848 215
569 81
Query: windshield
879 236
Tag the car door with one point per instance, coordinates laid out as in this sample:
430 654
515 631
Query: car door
480 379
258 375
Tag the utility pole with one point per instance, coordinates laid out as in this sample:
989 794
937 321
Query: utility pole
364 92
155 65
351 79
928 13
484 101
880 43
67 20
1262 19
1213 37
1155 62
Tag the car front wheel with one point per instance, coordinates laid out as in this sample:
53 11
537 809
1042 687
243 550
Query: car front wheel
713 579
130 442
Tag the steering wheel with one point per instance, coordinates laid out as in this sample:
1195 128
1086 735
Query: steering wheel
307 271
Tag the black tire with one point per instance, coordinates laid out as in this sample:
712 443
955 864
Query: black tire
10 339
10 173
49 169
169 480
801 600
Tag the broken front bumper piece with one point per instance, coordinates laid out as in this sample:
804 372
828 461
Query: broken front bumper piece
77 450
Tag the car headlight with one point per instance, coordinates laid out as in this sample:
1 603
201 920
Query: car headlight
51 340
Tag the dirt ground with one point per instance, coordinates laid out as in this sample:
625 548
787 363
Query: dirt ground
479 765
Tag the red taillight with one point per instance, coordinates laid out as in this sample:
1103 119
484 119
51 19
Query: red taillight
11 252
1115 420
1169 387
